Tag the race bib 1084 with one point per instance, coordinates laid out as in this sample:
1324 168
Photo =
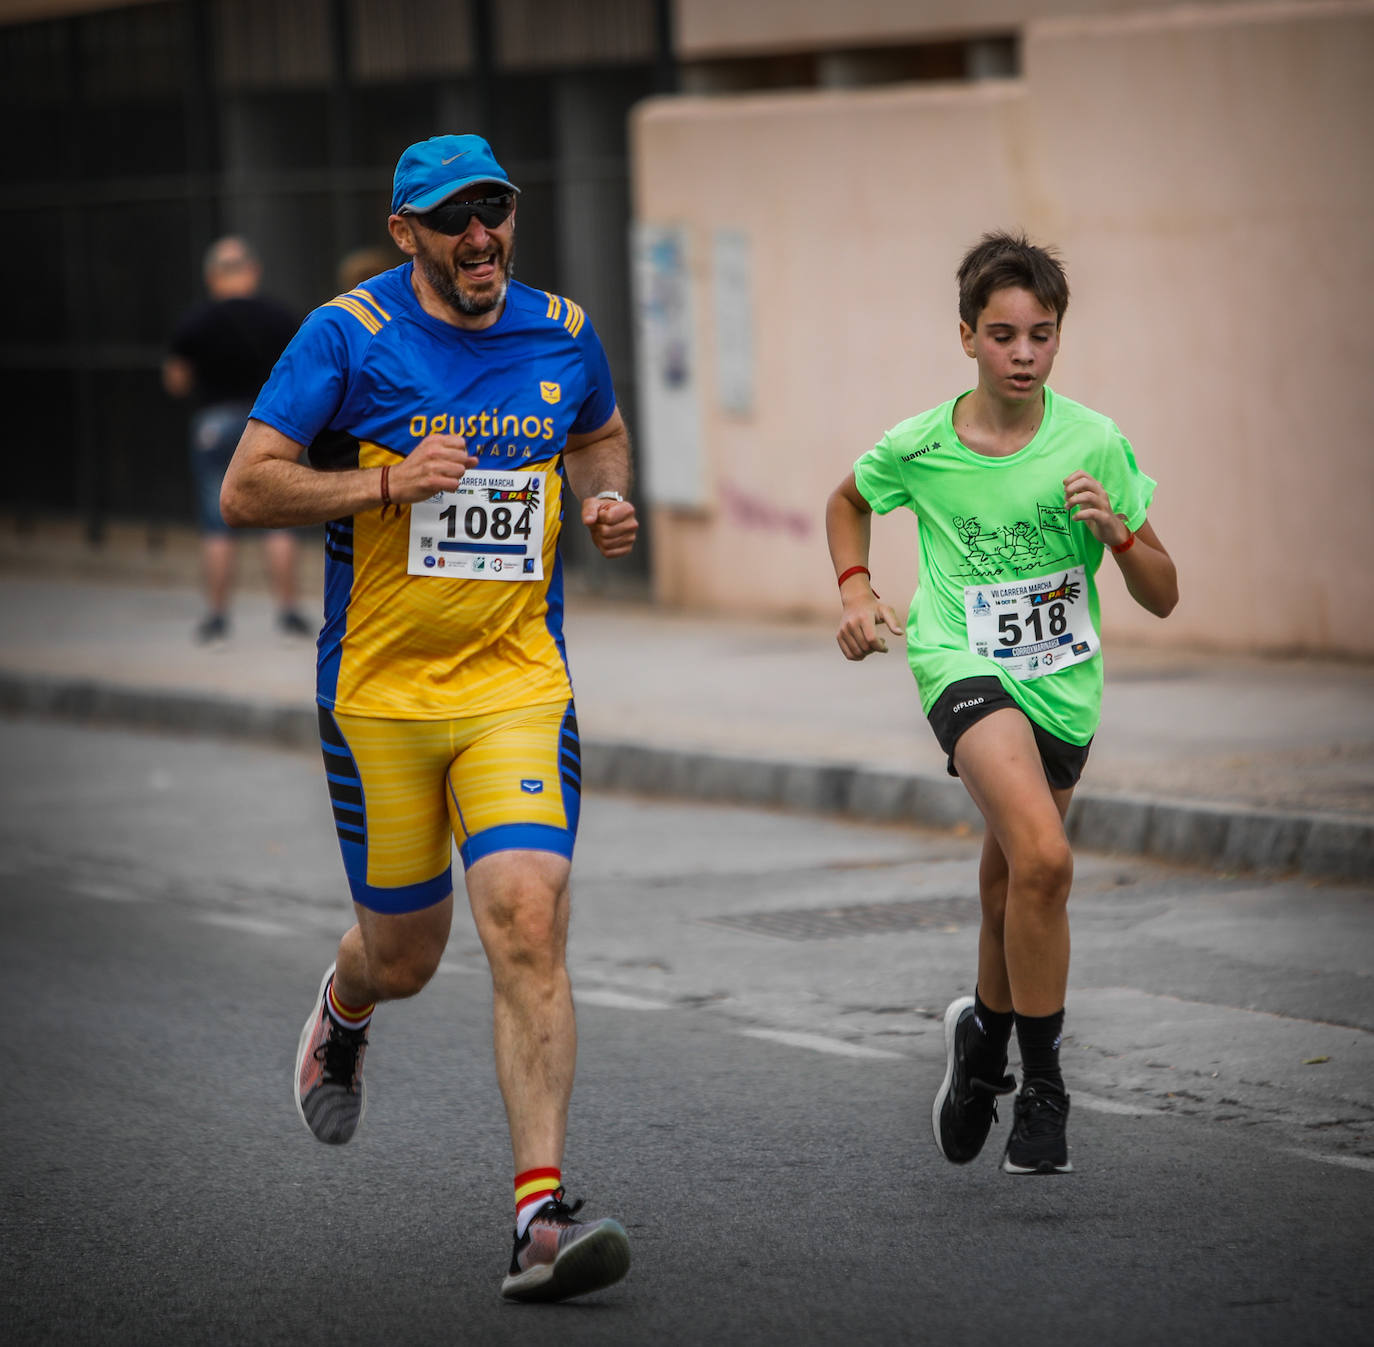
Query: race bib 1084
1032 627
490 528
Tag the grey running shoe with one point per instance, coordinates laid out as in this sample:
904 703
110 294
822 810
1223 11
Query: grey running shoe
558 1257
330 1096
1037 1144
965 1105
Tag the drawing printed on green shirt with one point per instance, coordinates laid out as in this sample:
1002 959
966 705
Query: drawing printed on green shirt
994 551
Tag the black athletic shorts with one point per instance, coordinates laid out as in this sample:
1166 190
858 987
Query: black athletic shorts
966 702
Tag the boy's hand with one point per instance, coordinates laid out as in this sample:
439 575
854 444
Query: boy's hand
858 635
1087 502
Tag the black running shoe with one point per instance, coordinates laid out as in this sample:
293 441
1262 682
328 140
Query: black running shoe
291 623
558 1257
1037 1144
212 629
329 1090
965 1105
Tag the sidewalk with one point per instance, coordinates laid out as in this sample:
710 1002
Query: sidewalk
1225 761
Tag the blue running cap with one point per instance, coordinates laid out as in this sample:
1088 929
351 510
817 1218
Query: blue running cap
431 171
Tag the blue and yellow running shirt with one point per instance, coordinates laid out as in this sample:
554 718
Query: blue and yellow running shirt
366 378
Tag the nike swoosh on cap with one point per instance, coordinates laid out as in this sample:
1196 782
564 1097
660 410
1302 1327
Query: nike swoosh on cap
459 155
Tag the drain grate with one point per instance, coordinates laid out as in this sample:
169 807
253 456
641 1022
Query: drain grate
832 923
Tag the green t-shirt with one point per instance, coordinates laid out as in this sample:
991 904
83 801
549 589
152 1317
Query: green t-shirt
999 592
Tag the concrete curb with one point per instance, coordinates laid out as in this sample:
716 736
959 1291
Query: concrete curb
159 709
1222 836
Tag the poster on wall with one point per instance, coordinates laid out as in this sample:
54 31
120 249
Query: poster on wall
665 366
732 287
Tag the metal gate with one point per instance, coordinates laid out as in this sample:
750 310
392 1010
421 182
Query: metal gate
139 134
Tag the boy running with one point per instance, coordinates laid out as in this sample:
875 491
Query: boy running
1019 492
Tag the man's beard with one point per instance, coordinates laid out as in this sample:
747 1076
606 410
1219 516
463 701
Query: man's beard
447 287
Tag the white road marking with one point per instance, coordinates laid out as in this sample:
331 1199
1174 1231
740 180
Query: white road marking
107 892
818 1043
1096 1104
1362 1162
604 996
252 925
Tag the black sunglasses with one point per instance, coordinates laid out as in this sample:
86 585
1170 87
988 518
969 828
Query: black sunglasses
453 217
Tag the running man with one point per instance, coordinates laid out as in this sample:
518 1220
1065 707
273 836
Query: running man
1019 492
448 409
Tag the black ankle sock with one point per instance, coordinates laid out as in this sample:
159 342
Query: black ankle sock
987 1047
1038 1037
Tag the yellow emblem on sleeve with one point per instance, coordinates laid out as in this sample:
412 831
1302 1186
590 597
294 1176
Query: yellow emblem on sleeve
549 392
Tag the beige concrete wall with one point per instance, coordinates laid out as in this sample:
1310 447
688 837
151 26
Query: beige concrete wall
1223 244
856 226
1209 175
706 28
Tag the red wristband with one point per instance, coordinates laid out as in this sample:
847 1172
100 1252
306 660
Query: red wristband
859 570
1127 545
386 492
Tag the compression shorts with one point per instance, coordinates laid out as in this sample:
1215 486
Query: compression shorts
404 791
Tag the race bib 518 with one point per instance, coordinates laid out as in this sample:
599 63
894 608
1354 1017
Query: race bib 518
1032 627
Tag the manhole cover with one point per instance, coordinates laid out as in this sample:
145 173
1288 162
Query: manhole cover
831 923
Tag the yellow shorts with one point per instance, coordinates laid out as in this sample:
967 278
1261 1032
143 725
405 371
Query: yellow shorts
404 791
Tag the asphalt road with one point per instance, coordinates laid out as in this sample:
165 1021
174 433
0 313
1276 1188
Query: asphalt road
759 997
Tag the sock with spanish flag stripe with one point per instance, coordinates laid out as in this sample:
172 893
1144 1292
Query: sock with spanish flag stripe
532 1189
348 1017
